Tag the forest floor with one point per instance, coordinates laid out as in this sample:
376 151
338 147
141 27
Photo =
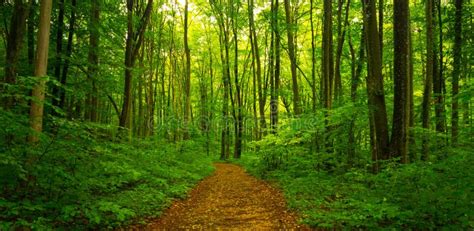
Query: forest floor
229 199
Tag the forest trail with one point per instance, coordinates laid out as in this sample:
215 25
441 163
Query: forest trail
229 199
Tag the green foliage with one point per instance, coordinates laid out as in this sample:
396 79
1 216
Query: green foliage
329 193
77 179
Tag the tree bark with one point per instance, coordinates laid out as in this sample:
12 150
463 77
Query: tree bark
313 57
14 44
457 55
133 42
59 53
93 58
399 145
328 58
426 105
187 81
292 55
41 65
341 34
375 90
275 75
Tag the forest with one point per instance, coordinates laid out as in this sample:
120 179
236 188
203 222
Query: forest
358 112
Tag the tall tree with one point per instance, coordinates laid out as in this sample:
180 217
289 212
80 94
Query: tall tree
376 96
187 74
238 96
457 65
41 65
426 106
292 55
328 58
133 42
399 141
313 56
93 57
59 51
258 67
14 43
341 35
275 59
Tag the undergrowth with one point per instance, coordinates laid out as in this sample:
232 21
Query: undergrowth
77 178
345 194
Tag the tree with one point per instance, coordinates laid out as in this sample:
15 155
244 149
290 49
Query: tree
93 58
187 74
292 56
238 119
399 139
274 65
41 65
133 42
376 96
456 71
257 69
428 76
341 35
14 43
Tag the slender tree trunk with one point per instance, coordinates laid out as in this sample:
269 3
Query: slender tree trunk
94 57
133 42
41 66
256 54
380 21
70 39
14 44
426 105
187 81
31 35
457 64
292 55
59 53
239 117
341 34
313 57
275 68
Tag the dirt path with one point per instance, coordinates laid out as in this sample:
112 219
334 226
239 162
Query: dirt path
229 199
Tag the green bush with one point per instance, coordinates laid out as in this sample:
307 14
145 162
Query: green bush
328 193
74 179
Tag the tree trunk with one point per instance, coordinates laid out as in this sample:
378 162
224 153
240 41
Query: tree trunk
375 90
426 105
14 44
41 66
59 54
275 75
313 57
292 55
256 55
187 81
93 57
72 22
133 42
239 116
327 50
341 33
399 144
457 63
